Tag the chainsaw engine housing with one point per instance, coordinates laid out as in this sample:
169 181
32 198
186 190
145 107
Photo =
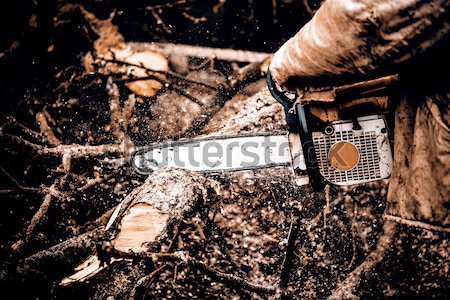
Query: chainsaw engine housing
346 156
343 133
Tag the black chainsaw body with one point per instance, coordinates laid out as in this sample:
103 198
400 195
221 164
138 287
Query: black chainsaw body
296 118
352 148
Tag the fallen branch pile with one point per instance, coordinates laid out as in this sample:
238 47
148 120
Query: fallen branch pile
80 221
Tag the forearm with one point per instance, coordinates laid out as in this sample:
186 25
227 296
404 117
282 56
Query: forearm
349 38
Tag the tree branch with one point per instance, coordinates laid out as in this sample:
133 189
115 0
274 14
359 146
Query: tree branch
346 289
167 73
183 257
203 52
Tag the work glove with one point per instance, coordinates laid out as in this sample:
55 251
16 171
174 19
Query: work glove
353 40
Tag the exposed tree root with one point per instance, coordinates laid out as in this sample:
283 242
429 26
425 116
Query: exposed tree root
184 258
18 186
347 288
144 218
40 214
63 253
42 118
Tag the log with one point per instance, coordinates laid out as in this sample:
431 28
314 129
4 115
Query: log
145 217
202 52
259 113
60 255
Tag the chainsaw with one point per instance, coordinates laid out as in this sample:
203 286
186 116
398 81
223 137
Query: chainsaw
336 135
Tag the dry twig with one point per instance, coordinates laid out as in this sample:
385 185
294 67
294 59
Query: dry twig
146 280
18 186
59 253
246 75
11 124
149 71
289 255
320 215
353 225
326 210
40 214
308 7
46 130
156 10
184 258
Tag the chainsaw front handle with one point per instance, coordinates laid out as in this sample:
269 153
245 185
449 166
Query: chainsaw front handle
297 122
285 101
281 97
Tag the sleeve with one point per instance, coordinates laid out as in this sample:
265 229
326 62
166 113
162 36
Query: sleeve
349 38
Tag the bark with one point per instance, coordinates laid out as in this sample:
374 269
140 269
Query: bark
146 216
204 52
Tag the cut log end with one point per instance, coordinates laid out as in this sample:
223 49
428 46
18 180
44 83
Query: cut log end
142 224
144 217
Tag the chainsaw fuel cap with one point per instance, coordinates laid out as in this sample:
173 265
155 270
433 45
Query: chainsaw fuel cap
344 155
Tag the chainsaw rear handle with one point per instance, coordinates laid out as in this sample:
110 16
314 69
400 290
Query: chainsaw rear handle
297 121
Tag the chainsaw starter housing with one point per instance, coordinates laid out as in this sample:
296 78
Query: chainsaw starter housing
347 156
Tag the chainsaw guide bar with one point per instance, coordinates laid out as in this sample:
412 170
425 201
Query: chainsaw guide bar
217 154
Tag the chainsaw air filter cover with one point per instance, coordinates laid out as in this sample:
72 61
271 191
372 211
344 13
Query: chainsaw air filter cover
346 156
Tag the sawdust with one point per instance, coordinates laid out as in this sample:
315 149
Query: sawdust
172 190
259 112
